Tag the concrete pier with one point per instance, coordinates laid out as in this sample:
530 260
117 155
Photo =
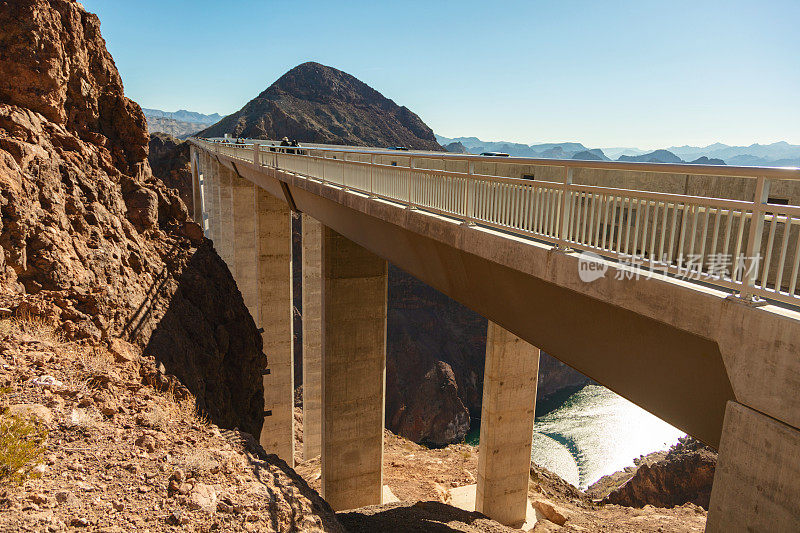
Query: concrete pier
274 226
244 248
509 402
757 479
224 241
312 337
354 285
196 209
211 194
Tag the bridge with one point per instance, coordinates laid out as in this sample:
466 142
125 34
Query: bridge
673 285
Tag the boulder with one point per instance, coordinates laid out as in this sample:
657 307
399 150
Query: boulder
203 497
552 512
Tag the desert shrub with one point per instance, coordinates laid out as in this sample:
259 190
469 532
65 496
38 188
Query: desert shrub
21 446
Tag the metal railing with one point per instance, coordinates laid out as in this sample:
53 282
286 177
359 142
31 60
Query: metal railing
746 246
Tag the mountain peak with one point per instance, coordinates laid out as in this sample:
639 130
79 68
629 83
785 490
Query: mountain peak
321 104
318 83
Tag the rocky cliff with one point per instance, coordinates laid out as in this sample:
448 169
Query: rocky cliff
169 160
683 474
90 239
320 104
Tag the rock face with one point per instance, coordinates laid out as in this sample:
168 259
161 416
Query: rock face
89 238
434 362
138 459
684 475
319 104
169 160
54 62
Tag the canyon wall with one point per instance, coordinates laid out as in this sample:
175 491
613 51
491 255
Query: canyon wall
89 238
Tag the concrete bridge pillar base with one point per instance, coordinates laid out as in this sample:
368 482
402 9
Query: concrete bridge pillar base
757 480
312 337
354 285
509 402
274 242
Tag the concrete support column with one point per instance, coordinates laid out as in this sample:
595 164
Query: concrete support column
354 284
244 246
214 222
224 243
196 209
312 337
757 479
274 226
509 402
209 194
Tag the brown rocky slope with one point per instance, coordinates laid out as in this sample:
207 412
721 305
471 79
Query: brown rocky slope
121 454
319 104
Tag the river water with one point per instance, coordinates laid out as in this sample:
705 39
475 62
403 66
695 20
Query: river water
587 434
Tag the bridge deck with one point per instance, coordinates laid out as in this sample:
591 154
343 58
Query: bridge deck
663 333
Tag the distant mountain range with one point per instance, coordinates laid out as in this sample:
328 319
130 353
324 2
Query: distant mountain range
183 116
179 123
775 154
173 127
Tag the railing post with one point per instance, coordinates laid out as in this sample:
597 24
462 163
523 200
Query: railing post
372 176
469 187
256 154
753 252
410 178
344 172
565 212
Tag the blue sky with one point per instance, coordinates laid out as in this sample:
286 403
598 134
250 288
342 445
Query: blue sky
611 73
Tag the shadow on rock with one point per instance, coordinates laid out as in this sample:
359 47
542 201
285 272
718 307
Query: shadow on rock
206 338
428 517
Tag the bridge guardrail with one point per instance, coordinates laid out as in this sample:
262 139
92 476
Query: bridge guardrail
749 247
